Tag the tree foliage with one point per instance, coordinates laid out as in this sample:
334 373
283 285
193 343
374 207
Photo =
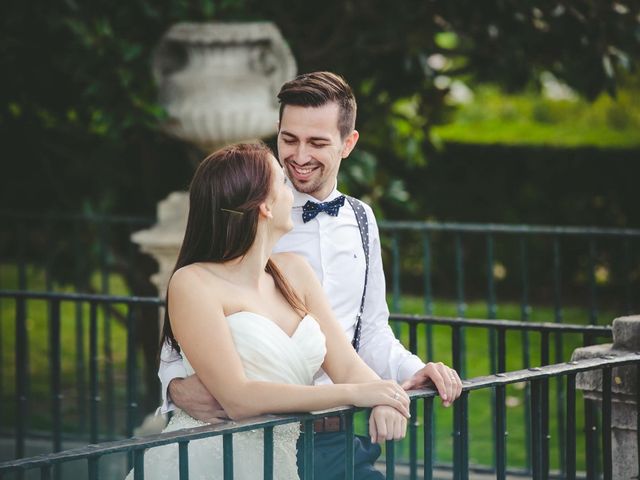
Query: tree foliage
78 105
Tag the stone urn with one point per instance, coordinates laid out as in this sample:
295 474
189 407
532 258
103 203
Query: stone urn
218 81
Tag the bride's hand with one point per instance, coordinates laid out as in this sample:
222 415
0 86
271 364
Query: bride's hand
386 423
382 392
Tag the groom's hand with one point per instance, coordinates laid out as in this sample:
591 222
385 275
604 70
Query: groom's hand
445 380
386 423
190 395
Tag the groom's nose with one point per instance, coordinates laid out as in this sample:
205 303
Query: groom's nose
302 155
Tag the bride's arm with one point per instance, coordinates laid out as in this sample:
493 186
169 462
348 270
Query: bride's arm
200 327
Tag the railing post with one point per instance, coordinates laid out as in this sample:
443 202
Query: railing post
616 391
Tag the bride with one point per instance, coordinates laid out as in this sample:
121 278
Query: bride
255 327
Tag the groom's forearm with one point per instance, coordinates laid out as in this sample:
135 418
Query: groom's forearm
190 395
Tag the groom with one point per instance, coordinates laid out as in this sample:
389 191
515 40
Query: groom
340 239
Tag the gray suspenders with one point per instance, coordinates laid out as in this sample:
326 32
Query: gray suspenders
363 226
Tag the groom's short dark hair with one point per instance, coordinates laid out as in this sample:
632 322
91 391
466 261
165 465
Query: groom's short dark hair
317 89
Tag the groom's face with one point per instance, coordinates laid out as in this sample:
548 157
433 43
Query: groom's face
311 149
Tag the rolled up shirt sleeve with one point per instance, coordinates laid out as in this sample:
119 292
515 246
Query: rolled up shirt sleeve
171 367
379 347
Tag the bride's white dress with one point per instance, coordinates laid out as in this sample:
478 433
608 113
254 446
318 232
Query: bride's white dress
268 354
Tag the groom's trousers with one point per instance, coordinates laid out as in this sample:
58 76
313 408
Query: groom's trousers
329 457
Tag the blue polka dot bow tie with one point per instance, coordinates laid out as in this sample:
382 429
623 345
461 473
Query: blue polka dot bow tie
311 209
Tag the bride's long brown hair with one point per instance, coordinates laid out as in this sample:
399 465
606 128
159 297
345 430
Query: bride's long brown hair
224 198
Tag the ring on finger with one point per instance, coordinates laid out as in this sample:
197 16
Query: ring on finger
396 395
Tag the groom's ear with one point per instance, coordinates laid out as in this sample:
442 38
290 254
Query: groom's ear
265 211
349 143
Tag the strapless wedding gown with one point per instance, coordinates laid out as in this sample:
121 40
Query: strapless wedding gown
267 354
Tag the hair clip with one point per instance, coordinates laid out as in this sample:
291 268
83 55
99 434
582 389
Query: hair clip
232 211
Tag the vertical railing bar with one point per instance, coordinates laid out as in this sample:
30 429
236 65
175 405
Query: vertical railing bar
526 355
93 372
491 314
413 421
45 472
396 290
93 468
227 454
426 272
593 309
557 281
267 464
627 277
22 370
536 430
183 459
460 305
80 367
48 260
22 265
349 447
79 332
544 402
395 251
108 371
428 298
138 464
132 397
413 441
308 450
501 429
428 437
55 370
502 350
390 460
491 286
570 459
103 239
560 406
462 418
591 441
607 463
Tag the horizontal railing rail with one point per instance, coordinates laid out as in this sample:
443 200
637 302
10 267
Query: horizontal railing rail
391 225
537 377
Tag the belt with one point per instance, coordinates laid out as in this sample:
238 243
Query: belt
331 424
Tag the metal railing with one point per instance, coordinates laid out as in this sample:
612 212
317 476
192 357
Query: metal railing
101 394
579 264
538 379
587 266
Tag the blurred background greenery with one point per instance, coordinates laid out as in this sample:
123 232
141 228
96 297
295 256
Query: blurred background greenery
80 120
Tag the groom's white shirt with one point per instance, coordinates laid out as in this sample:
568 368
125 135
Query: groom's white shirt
333 247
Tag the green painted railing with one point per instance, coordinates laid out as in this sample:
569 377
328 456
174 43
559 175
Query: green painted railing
537 377
99 428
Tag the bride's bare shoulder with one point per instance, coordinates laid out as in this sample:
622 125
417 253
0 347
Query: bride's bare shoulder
194 277
292 265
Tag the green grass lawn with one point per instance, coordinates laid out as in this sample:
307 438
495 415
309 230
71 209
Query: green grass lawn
477 364
531 119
